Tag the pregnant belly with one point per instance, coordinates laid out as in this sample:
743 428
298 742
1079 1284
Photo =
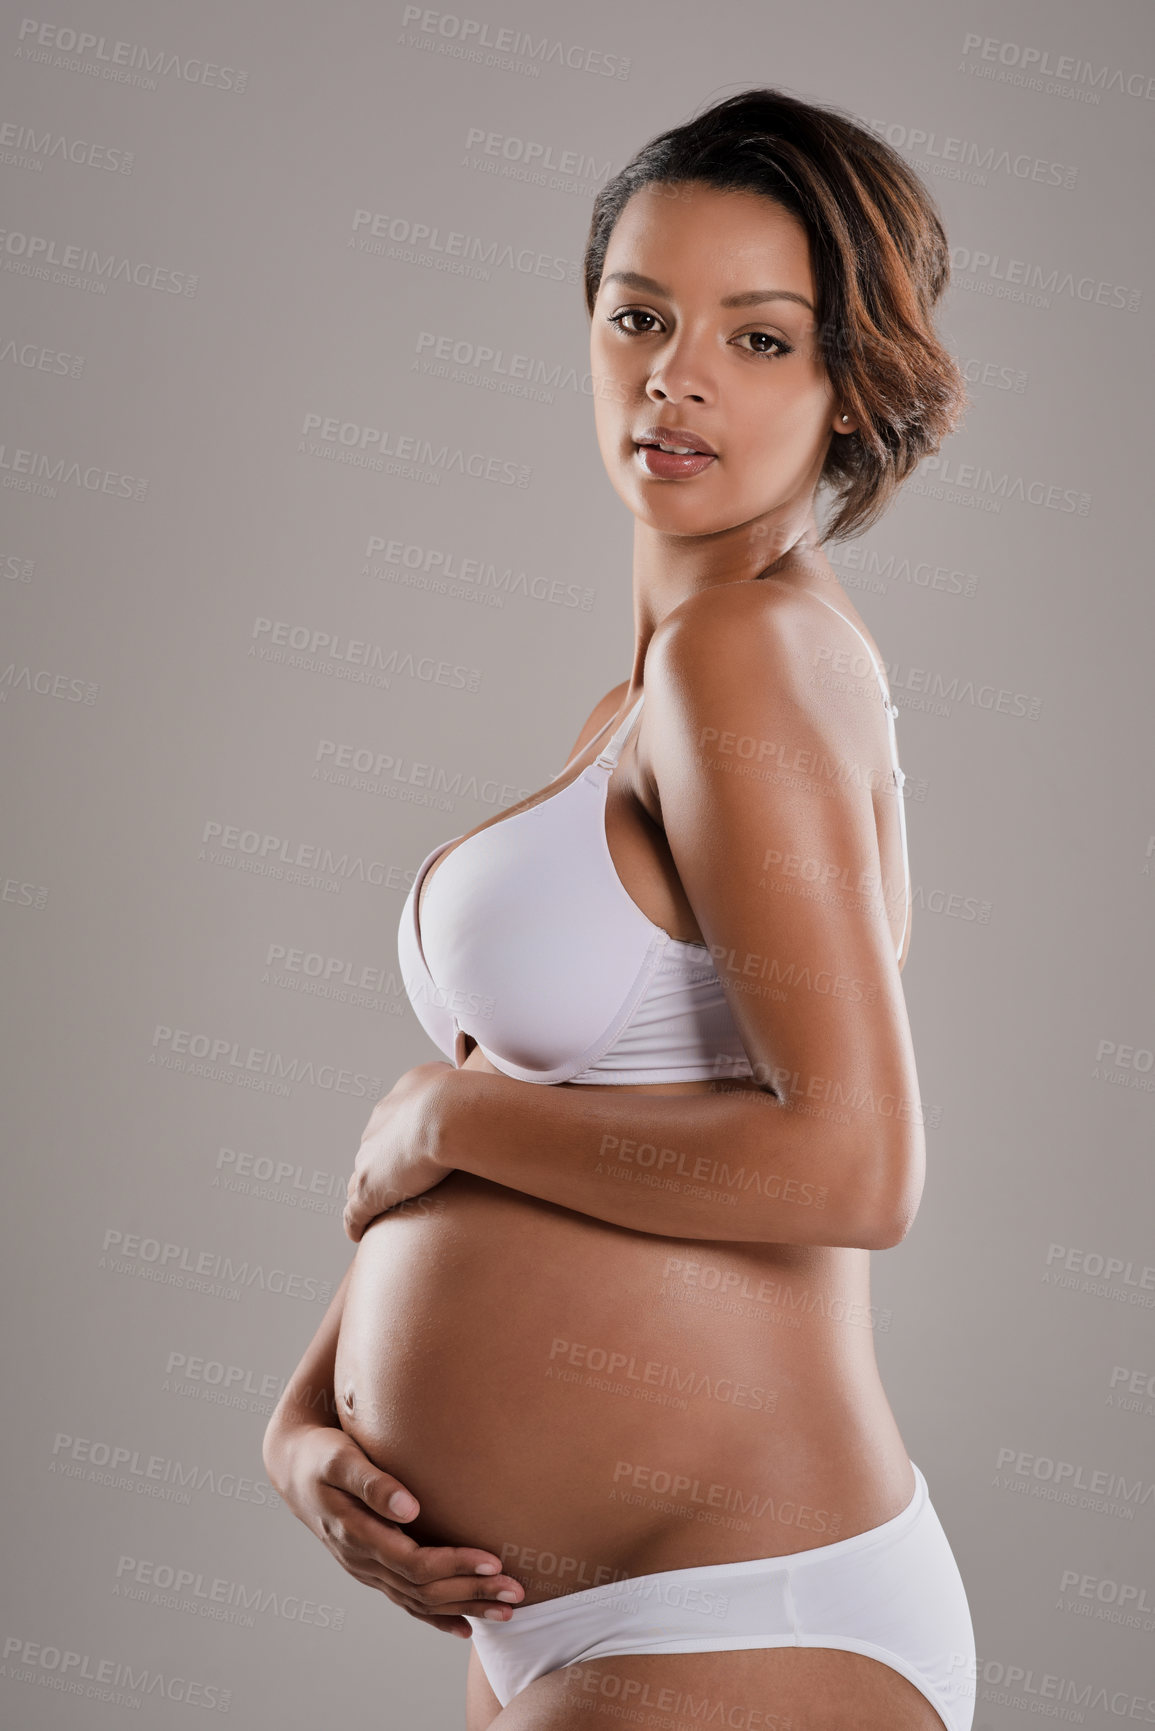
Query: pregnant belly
591 1403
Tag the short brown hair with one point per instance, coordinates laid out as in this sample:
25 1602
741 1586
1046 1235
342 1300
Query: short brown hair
880 259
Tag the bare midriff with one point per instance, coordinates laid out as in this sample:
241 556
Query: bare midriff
592 1403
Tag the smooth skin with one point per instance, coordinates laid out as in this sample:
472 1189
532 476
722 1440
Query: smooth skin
730 638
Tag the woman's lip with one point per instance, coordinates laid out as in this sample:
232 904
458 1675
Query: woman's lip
669 465
680 444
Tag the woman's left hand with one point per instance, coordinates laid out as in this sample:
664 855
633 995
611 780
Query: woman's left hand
399 1153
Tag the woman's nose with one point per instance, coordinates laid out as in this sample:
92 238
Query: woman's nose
681 373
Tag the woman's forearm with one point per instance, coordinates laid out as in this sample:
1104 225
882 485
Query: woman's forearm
309 1397
737 1165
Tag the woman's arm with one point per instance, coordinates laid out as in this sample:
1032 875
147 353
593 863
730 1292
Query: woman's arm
765 753
737 1165
308 1397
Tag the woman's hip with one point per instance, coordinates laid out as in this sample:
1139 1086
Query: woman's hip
892 1593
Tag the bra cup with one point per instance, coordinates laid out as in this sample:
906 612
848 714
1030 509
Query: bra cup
431 1006
541 947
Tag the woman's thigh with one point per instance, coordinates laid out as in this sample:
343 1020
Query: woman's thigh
481 1704
764 1689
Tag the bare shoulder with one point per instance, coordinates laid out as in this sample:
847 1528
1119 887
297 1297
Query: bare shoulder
776 634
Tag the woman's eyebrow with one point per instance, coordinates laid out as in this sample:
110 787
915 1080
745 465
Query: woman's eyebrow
632 279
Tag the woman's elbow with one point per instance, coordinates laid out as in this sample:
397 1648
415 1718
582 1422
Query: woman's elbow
896 1196
888 1232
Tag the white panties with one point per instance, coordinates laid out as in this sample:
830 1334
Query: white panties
893 1593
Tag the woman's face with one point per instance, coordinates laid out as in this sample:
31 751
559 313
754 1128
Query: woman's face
745 378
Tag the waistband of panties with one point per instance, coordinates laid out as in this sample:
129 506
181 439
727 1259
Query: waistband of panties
716 1574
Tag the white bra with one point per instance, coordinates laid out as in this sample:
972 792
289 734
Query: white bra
529 944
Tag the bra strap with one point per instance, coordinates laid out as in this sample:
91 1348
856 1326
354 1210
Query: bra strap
898 773
893 707
609 756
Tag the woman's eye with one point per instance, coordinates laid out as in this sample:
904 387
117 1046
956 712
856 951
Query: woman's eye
765 343
632 313
767 337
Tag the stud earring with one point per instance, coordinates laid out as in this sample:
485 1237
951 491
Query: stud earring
846 417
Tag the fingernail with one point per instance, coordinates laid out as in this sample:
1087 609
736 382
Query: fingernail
401 1503
494 1614
510 1598
488 1569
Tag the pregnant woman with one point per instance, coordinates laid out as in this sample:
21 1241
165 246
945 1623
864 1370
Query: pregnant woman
599 1388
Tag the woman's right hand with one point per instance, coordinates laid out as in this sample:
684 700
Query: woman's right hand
347 1502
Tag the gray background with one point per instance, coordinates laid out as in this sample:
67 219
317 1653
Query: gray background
172 506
